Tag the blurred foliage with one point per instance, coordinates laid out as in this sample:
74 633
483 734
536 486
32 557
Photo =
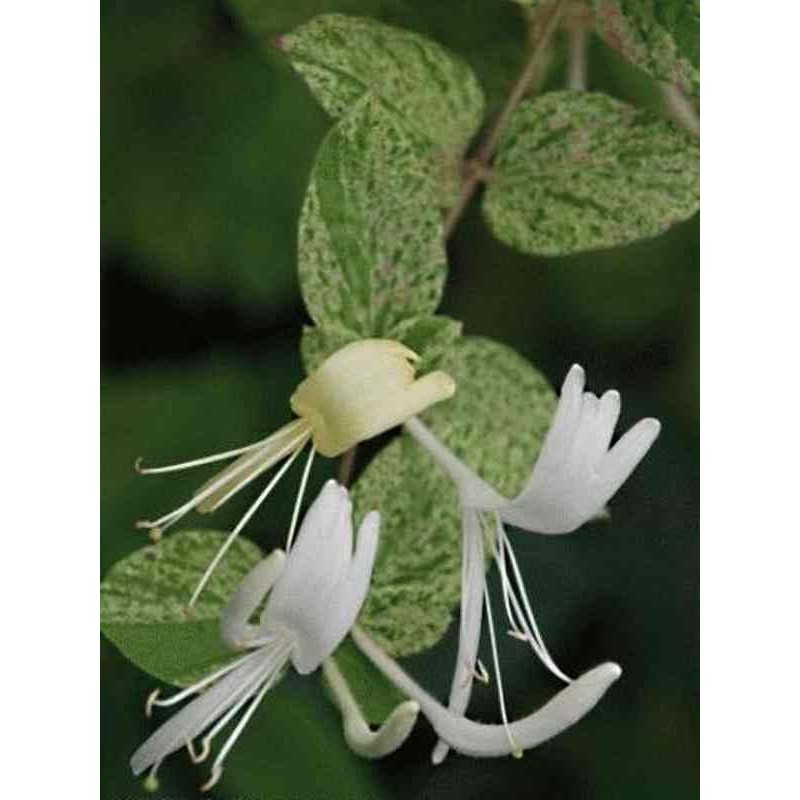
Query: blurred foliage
208 141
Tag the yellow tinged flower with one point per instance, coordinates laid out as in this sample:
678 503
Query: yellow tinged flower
363 389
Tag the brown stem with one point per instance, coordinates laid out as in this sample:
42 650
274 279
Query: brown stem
346 465
485 151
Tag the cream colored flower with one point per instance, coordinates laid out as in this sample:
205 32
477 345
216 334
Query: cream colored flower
364 389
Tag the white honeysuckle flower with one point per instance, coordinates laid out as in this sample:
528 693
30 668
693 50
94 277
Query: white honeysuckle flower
316 593
480 740
573 478
363 389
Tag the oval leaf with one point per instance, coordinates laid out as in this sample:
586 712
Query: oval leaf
581 171
371 244
662 38
496 422
143 604
434 92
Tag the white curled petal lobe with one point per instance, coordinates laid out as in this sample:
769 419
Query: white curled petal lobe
234 624
320 633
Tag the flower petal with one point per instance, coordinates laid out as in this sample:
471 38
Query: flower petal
319 632
321 541
625 455
479 740
359 737
234 624
472 581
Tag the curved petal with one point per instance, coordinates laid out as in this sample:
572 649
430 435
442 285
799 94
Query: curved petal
472 581
319 633
475 739
200 713
625 455
359 737
320 543
234 624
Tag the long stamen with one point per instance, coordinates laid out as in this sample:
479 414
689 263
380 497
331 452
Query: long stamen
242 522
531 619
296 444
515 748
153 700
168 520
299 500
216 769
197 462
246 692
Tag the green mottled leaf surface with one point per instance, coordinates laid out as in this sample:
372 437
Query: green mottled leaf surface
662 37
580 171
371 247
496 422
143 604
434 93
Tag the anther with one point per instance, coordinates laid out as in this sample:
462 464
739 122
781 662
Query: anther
151 781
152 699
480 672
155 535
137 466
216 774
202 755
523 637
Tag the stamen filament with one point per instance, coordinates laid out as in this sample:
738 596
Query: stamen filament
481 672
531 620
299 500
242 522
197 462
296 444
153 700
216 769
165 522
515 748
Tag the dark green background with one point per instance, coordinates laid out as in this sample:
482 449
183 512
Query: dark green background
208 139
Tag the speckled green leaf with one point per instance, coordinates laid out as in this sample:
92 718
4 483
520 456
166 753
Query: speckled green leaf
581 171
143 604
496 422
371 247
433 92
662 37
431 337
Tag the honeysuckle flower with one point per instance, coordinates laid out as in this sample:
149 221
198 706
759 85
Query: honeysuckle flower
573 478
363 389
315 594
511 738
